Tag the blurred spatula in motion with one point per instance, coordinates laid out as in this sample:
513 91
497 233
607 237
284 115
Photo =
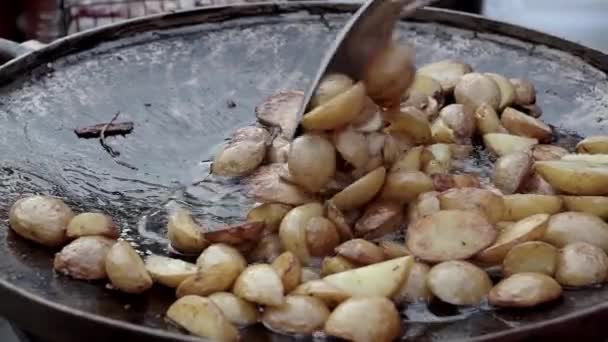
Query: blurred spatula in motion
367 33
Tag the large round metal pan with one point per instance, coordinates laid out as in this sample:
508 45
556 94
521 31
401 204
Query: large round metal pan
175 76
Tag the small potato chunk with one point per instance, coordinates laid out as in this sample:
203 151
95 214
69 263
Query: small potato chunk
86 224
329 294
260 284
297 315
446 72
459 283
393 250
337 264
269 213
437 158
474 89
581 264
126 270
41 219
410 121
450 235
427 86
524 125
380 218
268 248
185 234
461 120
361 252
531 256
266 185
415 288
575 177
84 258
237 234
525 94
338 111
404 187
487 120
409 161
361 191
593 145
485 201
322 236
309 274
520 206
503 144
594 205
288 267
329 87
243 154
352 146
528 229
312 161
390 74
382 321
524 290
339 220
511 170
548 152
382 279
168 271
442 133
569 227
281 110
293 229
201 317
507 90
236 310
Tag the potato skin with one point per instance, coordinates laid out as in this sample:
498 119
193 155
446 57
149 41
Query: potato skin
41 219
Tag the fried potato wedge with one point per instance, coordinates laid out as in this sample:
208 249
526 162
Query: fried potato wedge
405 186
126 270
329 294
336 264
41 219
293 229
289 268
201 317
511 171
236 310
531 256
594 145
168 271
260 284
393 250
267 249
415 288
525 94
361 252
524 290
569 227
297 315
412 122
581 264
475 89
329 87
338 111
594 205
184 233
312 161
575 177
322 236
520 206
524 125
459 282
380 218
446 72
485 201
507 90
269 213
86 224
487 120
236 234
361 191
84 258
502 144
266 185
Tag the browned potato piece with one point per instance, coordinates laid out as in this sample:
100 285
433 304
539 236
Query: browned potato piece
528 229
382 322
446 72
442 133
507 90
337 264
329 87
511 170
393 250
329 294
352 146
485 201
237 234
337 112
525 93
460 119
281 110
86 224
409 161
415 288
236 310
575 177
340 221
269 213
289 268
268 248
266 185
41 219
404 186
594 205
168 271
524 290
569 227
524 125
548 152
84 258
309 274
312 161
126 270
581 264
531 256
361 252
427 86
361 191
459 283
297 315
536 184
218 267
503 144
593 145
450 235
474 89
201 317
520 206
487 120
380 218
390 74
243 154
322 236
410 121
260 284
293 229
184 232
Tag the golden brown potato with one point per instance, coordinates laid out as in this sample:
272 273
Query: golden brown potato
86 224
569 227
352 146
459 283
293 229
41 219
520 206
581 264
450 235
524 290
243 154
339 220
511 170
260 284
446 72
525 93
236 310
487 120
337 264
360 251
168 271
281 110
461 120
594 205
409 161
237 234
485 201
390 74
322 236
382 322
524 125
593 145
289 268
329 87
84 258
184 232
329 294
337 112
309 274
265 185
269 213
312 161
380 218
393 250
361 191
410 121
548 152
474 89
126 270
218 267
507 90
405 186
531 256
528 229
267 249
297 315
415 288
575 177
201 317
503 144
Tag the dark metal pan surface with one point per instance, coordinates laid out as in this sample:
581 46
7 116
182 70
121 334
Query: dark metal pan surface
174 76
